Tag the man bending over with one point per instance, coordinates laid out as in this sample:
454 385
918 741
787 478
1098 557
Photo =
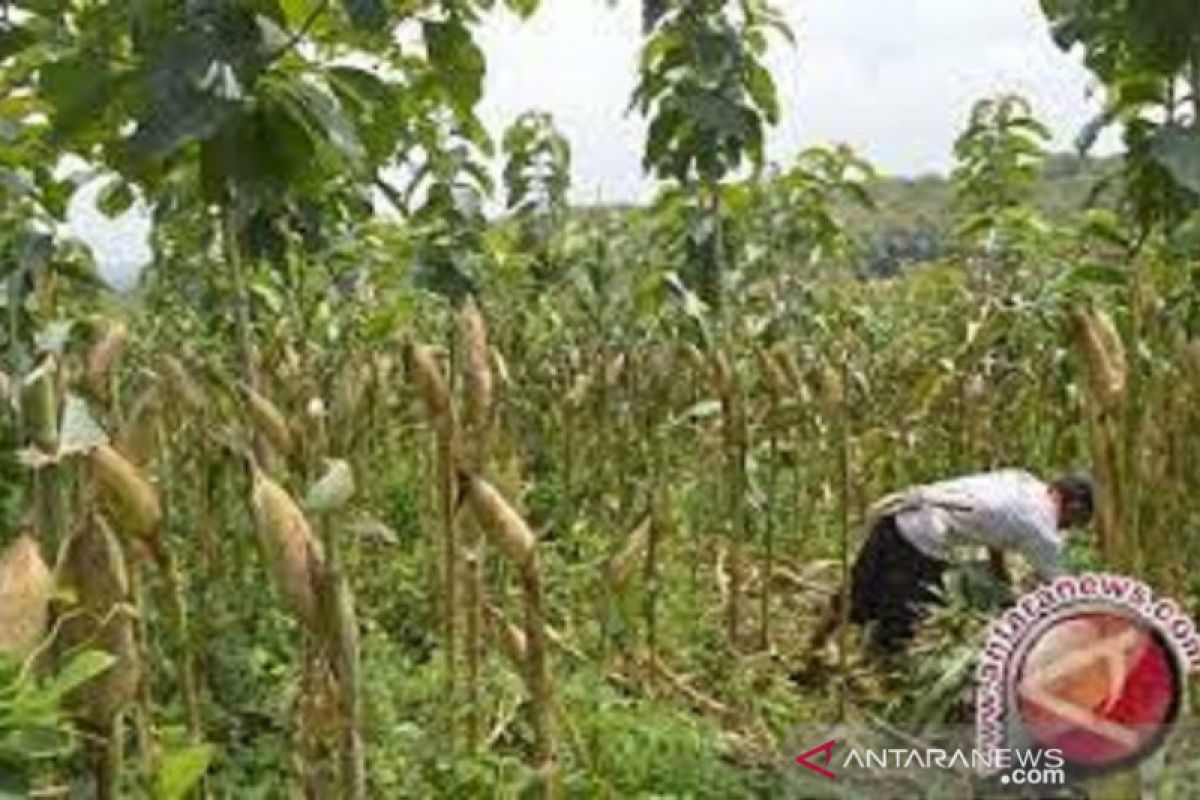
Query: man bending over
899 568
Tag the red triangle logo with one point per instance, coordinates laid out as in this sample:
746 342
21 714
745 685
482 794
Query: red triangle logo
827 749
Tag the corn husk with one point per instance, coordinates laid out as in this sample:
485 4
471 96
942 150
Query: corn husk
431 382
477 367
130 498
773 376
294 556
505 528
722 376
104 354
138 439
830 388
39 404
91 571
785 361
500 369
622 566
26 586
268 420
1103 354
290 366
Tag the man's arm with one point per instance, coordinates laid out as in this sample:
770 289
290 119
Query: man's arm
1043 551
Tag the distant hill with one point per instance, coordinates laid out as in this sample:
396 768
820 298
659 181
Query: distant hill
913 217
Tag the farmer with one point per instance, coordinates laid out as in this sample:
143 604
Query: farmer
900 566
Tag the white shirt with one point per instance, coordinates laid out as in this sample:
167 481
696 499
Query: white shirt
1005 510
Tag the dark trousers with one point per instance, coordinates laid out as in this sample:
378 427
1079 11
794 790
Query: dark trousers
890 581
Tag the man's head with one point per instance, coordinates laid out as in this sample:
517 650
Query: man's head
1073 497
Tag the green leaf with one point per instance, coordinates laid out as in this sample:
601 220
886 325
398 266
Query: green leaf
457 62
198 84
703 410
322 107
372 529
79 88
79 432
1087 275
366 14
333 490
181 770
1106 225
522 8
78 671
762 89
1178 150
1102 274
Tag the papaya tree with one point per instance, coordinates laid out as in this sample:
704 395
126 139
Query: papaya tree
537 176
709 97
998 162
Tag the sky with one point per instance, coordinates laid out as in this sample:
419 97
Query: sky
895 79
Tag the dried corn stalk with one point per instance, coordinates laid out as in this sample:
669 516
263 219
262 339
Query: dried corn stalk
773 375
500 369
722 376
1191 357
432 386
622 566
512 536
694 358
614 369
1103 353
830 388
91 570
293 554
510 637
180 383
25 589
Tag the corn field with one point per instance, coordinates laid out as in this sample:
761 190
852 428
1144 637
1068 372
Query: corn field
543 501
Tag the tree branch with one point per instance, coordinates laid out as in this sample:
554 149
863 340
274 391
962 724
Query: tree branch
300 32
